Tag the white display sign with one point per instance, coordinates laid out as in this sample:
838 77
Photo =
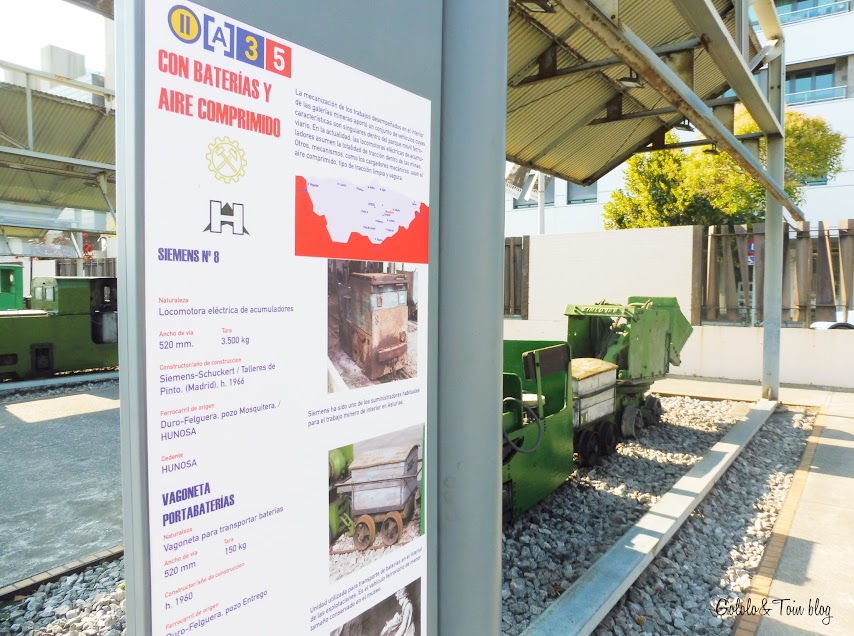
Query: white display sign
286 248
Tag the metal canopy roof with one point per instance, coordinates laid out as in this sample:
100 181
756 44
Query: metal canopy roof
104 7
555 125
73 143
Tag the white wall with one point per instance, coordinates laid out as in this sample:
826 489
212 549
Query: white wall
563 218
831 201
587 268
820 38
808 356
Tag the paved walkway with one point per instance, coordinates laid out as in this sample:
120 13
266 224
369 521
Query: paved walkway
806 578
60 481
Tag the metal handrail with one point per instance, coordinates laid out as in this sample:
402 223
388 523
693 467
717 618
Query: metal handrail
816 95
811 13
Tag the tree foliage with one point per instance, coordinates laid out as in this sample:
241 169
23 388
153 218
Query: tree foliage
674 187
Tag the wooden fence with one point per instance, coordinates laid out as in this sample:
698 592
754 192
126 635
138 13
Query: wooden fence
818 273
516 252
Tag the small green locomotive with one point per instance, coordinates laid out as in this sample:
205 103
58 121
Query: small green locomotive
573 400
72 325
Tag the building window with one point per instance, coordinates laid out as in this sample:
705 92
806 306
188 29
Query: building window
812 85
580 194
534 200
797 10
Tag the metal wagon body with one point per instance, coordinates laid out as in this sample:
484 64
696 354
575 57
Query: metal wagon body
382 488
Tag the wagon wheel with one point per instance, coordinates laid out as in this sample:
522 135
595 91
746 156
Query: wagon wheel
392 528
364 533
653 405
631 421
588 448
607 438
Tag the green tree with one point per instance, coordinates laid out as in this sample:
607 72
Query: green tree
673 187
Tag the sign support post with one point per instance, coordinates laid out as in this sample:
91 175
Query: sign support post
281 305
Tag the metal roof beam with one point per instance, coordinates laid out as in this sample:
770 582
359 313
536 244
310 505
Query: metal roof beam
595 65
556 40
768 53
12 141
769 20
697 142
32 217
56 172
59 79
97 166
704 20
624 43
534 60
656 112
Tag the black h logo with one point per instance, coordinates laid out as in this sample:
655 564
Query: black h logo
225 214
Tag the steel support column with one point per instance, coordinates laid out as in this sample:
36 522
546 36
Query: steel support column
102 185
474 98
30 133
130 135
742 28
541 204
773 300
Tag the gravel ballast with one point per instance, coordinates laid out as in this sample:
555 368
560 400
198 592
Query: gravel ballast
714 554
91 603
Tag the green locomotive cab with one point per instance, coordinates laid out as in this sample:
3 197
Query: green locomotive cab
11 287
72 326
537 453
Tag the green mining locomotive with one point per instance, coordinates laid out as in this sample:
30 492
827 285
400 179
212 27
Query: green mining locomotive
72 326
580 396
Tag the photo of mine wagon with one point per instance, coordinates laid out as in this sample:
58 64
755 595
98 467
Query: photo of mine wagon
381 489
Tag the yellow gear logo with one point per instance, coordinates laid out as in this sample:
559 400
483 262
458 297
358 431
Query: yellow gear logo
226 159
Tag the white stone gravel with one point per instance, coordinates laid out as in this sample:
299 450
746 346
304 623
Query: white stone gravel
553 544
716 553
91 603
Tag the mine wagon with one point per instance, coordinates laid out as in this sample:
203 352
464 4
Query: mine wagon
382 488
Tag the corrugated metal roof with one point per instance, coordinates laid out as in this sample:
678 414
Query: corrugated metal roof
104 7
62 127
548 122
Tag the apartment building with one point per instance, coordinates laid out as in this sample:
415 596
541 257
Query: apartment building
819 51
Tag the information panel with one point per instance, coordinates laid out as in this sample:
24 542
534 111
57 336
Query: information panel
286 249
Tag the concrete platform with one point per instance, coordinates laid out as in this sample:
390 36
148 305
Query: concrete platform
806 578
